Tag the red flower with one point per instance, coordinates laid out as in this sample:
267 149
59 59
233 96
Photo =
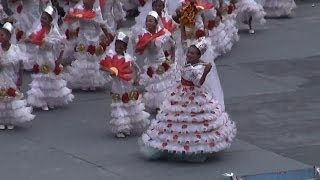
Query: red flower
218 133
164 144
186 147
172 94
191 98
175 137
166 53
11 92
142 2
198 136
57 69
150 72
125 98
67 34
166 66
185 89
231 8
211 24
91 49
212 144
19 35
160 133
169 125
36 69
184 126
19 8
200 33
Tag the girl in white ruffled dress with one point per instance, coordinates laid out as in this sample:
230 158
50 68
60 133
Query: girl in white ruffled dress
48 89
25 14
192 124
278 8
71 31
165 21
249 12
84 72
127 110
158 75
112 13
13 107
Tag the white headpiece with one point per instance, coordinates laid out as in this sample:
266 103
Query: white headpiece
201 44
122 37
49 9
154 14
8 26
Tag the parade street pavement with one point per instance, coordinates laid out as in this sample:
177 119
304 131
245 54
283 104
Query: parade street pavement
271 82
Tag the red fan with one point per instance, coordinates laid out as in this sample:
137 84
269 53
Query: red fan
37 37
119 66
169 25
146 38
80 13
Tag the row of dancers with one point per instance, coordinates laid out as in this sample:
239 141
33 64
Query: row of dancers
170 52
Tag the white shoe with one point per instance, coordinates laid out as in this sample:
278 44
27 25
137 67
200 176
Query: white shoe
10 127
251 31
2 127
45 108
84 89
120 135
127 133
92 88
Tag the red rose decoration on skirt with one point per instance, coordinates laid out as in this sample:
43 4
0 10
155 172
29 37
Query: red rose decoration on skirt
91 49
200 33
125 98
36 69
19 8
11 92
211 24
19 35
58 69
166 66
150 72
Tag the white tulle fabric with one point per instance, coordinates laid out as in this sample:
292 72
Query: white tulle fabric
158 85
229 20
278 8
126 117
190 120
13 110
48 90
112 13
247 8
84 72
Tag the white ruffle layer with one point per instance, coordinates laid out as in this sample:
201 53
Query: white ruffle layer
157 86
220 39
230 27
278 8
14 111
48 90
247 8
128 116
84 73
190 125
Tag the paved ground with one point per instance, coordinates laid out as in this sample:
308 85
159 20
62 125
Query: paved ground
271 84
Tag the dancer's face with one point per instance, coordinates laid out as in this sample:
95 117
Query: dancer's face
88 4
193 55
120 47
151 24
4 36
46 19
158 6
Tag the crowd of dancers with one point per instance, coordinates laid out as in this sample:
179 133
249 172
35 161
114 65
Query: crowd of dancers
169 52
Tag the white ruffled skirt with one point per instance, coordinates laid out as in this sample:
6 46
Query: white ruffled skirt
48 90
158 85
278 8
220 39
247 8
128 116
230 28
189 122
84 73
14 111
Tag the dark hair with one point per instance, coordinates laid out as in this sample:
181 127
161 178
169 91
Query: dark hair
153 2
194 46
7 32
